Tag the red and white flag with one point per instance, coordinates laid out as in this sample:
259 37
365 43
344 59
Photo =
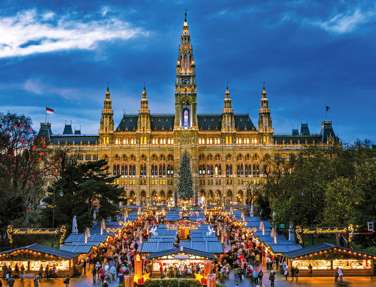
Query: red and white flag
49 110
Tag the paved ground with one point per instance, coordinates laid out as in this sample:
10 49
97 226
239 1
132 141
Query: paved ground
307 282
280 282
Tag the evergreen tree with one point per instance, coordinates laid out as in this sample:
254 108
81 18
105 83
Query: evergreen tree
81 190
185 188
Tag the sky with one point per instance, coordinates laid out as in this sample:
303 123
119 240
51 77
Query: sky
309 54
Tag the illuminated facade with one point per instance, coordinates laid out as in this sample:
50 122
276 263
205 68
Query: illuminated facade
227 151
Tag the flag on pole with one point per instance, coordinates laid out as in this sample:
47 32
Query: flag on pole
49 110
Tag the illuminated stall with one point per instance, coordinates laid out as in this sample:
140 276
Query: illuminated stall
35 256
196 264
325 258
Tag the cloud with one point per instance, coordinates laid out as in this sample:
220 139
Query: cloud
38 88
345 22
31 32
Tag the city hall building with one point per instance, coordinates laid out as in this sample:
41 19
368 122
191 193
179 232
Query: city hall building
228 152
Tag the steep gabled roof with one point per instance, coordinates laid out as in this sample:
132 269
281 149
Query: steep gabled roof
128 123
209 122
162 122
244 123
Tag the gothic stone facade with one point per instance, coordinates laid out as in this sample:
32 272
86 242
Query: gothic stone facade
228 152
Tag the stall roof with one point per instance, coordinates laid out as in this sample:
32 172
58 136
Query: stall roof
155 247
42 249
326 247
212 247
181 249
80 237
79 249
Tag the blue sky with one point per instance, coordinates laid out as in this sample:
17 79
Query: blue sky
309 53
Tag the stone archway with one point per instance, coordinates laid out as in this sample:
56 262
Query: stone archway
218 197
153 197
143 197
162 197
229 196
240 197
132 198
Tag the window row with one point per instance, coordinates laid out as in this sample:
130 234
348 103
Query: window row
124 169
241 170
130 170
144 140
87 157
143 157
227 140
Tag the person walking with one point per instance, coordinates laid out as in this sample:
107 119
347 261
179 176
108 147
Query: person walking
36 281
66 281
340 274
94 273
336 275
286 272
272 278
260 276
296 273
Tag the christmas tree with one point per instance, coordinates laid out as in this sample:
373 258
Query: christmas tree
185 190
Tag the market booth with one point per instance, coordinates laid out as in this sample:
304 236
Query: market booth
33 257
326 258
175 262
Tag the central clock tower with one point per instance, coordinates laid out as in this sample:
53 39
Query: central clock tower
185 86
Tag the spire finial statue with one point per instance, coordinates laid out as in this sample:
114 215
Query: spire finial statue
263 90
144 93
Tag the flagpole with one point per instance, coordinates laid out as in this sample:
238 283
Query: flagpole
45 119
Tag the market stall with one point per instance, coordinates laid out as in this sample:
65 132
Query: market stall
180 262
324 259
36 257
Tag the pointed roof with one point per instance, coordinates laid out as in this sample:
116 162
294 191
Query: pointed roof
108 94
144 94
263 93
227 92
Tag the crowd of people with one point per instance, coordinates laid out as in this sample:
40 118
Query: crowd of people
115 259
242 253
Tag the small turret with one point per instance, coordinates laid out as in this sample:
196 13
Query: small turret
327 133
143 121
228 118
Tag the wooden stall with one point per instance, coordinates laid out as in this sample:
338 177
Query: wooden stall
324 259
35 257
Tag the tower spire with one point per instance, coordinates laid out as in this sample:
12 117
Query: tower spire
228 118
144 101
265 120
107 118
185 86
227 101
143 121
